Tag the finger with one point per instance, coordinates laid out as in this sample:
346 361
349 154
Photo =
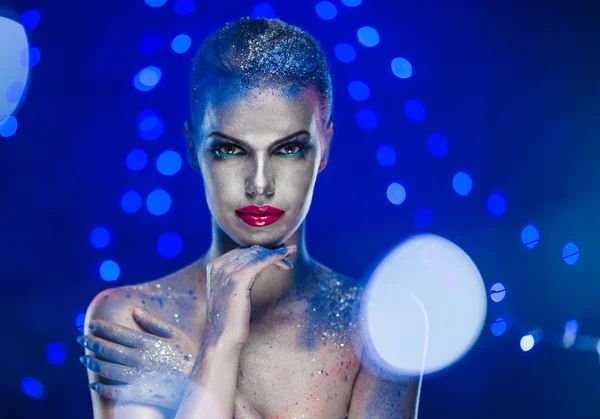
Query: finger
261 261
153 324
110 391
284 265
133 393
109 370
121 334
110 351
242 255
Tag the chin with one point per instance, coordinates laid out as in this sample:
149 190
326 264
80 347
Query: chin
264 239
269 237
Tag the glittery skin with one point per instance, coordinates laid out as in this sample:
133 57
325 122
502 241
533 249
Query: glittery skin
154 366
308 334
332 307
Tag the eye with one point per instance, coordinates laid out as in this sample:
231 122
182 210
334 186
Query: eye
227 149
291 149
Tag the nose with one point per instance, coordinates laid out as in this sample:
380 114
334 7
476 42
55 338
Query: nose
261 181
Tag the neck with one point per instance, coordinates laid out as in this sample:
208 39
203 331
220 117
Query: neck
272 284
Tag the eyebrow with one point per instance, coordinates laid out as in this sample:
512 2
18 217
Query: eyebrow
247 145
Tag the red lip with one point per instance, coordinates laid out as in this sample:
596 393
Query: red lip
259 216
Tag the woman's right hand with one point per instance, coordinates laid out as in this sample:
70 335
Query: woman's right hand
229 280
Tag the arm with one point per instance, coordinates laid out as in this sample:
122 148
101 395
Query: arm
212 386
213 383
110 307
378 395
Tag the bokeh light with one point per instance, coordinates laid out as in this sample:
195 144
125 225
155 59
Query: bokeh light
150 44
386 155
136 160
150 125
368 36
423 217
158 202
181 43
402 68
527 343
169 245
396 193
570 253
367 119
8 126
100 237
15 67
147 78
571 327
437 145
56 353
30 19
33 54
530 236
425 298
570 333
131 202
155 3
498 327
497 292
109 270
358 90
32 387
263 10
80 322
496 204
351 3
414 110
326 10
462 183
169 163
345 52
184 7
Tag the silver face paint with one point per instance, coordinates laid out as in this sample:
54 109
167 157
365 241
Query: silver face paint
257 170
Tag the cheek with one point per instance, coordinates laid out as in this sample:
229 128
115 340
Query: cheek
295 179
222 183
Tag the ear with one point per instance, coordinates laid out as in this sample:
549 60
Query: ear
190 145
326 146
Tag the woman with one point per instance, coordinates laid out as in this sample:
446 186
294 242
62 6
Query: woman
256 327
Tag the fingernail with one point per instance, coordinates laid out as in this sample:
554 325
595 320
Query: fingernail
83 359
94 386
82 341
288 263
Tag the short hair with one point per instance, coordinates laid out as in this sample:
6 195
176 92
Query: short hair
253 52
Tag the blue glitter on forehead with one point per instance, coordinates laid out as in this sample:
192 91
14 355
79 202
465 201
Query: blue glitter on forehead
257 53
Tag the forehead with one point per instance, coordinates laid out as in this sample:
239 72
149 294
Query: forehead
269 113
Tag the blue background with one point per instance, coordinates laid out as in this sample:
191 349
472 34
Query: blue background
514 89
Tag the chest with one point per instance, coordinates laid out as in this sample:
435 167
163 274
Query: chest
283 378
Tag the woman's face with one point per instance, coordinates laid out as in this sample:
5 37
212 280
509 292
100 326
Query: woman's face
261 148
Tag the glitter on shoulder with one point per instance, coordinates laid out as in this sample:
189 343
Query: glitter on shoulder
332 309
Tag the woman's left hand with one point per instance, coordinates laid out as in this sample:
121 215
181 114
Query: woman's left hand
153 366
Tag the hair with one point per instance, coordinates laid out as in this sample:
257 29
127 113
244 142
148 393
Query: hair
261 52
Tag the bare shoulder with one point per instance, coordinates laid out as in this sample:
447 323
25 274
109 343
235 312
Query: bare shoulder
339 288
333 308
183 288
